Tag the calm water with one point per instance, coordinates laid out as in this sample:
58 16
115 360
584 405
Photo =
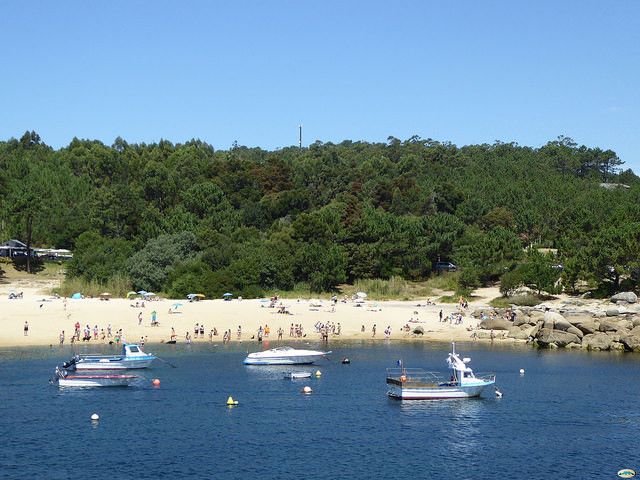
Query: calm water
572 415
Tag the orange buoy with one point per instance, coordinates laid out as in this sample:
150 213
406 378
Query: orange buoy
155 382
403 378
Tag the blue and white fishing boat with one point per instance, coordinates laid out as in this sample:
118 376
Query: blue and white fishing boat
132 357
417 384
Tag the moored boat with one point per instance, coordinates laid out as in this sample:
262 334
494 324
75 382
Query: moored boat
296 375
418 384
132 357
284 356
64 379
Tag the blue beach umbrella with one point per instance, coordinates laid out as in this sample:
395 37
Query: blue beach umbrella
228 294
176 305
76 296
142 292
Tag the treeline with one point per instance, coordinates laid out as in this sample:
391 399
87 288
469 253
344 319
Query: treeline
182 218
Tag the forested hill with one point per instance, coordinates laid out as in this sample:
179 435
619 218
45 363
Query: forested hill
185 217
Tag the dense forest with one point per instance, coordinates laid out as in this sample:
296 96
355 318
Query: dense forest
179 218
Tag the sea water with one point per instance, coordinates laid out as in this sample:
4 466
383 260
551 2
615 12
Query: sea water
571 415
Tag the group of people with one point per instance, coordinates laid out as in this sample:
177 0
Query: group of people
94 333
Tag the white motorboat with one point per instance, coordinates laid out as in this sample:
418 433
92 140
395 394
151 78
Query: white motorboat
296 375
417 384
284 356
64 379
132 357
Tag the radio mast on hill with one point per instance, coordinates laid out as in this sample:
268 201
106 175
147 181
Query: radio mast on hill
300 136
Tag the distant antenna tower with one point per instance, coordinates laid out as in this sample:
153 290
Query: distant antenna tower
300 136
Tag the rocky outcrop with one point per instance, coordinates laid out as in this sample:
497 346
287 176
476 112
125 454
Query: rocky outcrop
628 297
576 331
559 338
597 341
588 326
631 342
608 325
495 324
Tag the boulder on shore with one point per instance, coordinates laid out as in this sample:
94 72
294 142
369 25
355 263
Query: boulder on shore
546 337
597 341
576 331
628 297
495 324
607 325
554 320
588 326
631 342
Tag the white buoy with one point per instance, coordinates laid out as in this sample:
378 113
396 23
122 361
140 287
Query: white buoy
307 390
95 417
498 393
318 373
522 371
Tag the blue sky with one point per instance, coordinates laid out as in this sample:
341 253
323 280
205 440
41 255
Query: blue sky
251 71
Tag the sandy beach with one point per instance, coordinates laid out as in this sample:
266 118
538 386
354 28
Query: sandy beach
47 316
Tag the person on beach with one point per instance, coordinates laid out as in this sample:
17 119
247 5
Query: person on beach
173 334
139 318
102 335
154 317
187 338
267 331
373 330
109 331
62 338
202 331
95 332
280 332
291 330
362 329
239 332
440 316
26 328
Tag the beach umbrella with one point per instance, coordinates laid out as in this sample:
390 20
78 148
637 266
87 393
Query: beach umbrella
361 295
199 295
228 294
191 295
76 296
148 294
142 292
132 294
176 305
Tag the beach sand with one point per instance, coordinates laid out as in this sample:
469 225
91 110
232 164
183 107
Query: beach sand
48 316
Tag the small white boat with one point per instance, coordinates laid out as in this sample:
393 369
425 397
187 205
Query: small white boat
63 379
132 357
284 356
296 375
417 384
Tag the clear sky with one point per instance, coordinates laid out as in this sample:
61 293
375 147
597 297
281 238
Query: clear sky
251 71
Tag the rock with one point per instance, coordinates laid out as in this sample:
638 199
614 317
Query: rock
599 314
495 324
536 316
588 326
518 333
617 346
553 320
631 342
597 341
573 345
546 336
576 331
636 322
625 325
635 331
628 297
607 325
523 320
612 312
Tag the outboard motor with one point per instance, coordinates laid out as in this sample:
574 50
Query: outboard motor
70 363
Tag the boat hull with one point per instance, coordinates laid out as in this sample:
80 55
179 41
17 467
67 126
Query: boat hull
113 363
437 392
96 380
285 360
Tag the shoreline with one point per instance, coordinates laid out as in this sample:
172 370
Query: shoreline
46 317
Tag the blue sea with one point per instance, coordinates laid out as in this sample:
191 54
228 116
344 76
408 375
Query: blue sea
571 415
